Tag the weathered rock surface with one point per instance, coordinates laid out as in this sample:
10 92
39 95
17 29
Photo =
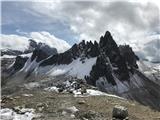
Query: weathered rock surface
120 112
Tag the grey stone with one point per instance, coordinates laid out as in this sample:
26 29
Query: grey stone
120 112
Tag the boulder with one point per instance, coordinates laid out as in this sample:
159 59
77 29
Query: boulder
120 112
41 106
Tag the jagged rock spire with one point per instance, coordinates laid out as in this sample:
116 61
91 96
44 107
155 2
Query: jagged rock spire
107 42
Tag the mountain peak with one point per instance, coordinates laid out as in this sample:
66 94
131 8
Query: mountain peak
107 34
107 41
42 51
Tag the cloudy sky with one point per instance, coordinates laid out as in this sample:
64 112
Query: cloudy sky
61 23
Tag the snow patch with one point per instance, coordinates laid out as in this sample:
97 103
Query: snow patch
27 95
92 92
73 109
9 114
29 65
103 85
31 85
70 110
145 66
121 86
53 88
76 68
26 55
7 56
151 70
58 72
14 56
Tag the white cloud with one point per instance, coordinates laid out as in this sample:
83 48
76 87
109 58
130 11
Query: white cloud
51 40
15 42
18 42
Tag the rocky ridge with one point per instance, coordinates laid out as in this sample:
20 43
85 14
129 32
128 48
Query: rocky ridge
115 69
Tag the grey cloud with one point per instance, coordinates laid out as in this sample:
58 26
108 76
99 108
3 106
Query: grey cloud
135 14
128 22
134 17
151 51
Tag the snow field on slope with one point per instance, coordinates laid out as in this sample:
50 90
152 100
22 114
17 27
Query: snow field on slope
76 68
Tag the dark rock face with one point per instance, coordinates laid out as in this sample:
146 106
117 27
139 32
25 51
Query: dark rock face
32 46
5 63
108 44
41 51
109 58
82 50
19 62
112 51
100 69
129 56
